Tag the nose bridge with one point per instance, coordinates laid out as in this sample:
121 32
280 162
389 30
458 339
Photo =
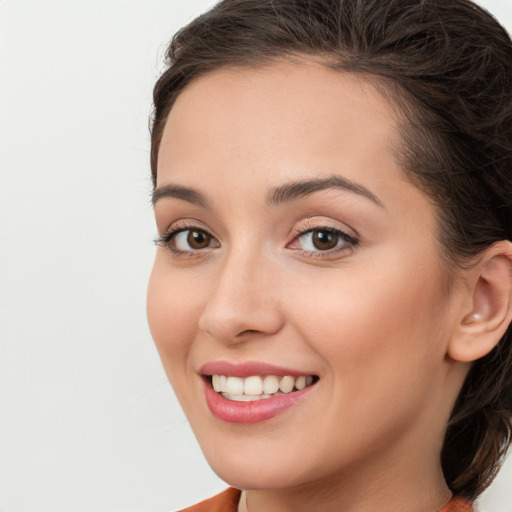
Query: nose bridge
242 299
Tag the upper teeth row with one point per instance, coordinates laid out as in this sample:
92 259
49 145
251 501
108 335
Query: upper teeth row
256 385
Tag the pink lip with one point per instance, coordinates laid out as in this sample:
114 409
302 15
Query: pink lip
251 412
247 369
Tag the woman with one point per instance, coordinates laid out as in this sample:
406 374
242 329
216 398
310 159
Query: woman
331 292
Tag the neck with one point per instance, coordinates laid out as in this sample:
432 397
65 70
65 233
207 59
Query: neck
390 486
305 500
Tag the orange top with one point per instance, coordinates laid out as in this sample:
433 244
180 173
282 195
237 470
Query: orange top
227 501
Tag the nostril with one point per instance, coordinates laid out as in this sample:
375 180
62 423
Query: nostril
247 331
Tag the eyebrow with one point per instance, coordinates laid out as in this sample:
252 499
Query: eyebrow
178 192
282 194
294 190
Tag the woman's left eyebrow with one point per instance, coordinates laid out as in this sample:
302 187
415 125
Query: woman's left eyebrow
297 189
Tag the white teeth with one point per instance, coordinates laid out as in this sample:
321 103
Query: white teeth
235 386
244 398
300 383
256 387
253 386
286 384
270 384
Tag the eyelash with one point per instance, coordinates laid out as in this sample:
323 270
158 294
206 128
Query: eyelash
350 242
166 240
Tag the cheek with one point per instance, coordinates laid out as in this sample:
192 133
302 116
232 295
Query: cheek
376 322
173 309
379 337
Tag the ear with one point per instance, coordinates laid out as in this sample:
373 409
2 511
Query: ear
488 311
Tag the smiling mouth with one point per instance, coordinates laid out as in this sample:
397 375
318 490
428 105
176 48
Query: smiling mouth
255 387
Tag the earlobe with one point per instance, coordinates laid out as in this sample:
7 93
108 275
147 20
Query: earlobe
485 321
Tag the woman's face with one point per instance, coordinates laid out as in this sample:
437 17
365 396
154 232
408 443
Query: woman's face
293 246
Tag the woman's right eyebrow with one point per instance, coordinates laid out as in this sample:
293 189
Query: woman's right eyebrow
179 192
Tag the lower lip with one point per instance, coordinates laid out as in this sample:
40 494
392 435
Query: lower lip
232 411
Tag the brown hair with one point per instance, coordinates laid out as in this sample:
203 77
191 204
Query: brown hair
447 67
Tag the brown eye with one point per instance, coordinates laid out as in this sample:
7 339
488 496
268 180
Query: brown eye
190 240
324 240
198 239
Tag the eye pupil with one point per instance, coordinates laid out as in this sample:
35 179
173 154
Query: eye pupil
198 239
324 240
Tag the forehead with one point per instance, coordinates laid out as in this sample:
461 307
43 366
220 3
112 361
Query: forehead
280 110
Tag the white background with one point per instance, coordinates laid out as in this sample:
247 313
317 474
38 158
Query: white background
88 421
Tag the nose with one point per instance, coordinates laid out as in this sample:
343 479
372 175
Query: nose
244 301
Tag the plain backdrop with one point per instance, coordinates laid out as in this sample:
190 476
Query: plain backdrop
88 421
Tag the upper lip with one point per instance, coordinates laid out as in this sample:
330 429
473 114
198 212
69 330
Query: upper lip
248 369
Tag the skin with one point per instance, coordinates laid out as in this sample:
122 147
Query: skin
374 320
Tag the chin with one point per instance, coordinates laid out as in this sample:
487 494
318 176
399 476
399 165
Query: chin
255 476
252 465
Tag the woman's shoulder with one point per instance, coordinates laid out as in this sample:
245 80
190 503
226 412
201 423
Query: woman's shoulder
226 501
458 505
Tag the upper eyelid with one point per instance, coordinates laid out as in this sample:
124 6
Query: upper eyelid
184 225
351 240
173 231
309 226
168 234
